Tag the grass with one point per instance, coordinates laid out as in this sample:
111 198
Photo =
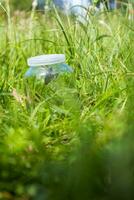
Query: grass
72 138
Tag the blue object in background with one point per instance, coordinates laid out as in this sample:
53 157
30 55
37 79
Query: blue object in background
76 6
72 6
79 5
109 4
112 4
59 3
41 4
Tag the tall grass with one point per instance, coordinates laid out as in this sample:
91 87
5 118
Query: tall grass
72 138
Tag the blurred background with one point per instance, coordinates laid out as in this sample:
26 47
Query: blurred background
27 4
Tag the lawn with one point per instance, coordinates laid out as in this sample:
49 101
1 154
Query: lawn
73 138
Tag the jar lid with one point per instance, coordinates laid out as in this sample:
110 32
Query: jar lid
43 60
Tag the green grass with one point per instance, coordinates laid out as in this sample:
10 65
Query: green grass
72 138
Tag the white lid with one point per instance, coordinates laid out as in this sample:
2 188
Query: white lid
46 60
